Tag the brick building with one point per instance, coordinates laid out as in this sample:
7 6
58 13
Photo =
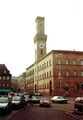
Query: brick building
54 73
5 77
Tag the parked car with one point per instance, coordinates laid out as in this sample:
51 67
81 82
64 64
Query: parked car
78 104
59 99
18 101
34 100
45 102
5 105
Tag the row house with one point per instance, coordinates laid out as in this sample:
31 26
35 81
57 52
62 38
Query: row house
5 77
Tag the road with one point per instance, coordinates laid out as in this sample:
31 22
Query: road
38 113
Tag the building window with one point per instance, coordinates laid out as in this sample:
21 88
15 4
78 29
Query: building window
50 62
4 71
50 73
3 77
47 74
81 85
74 73
41 51
66 62
58 61
0 77
74 62
8 77
82 73
44 65
3 85
59 73
67 73
47 63
81 62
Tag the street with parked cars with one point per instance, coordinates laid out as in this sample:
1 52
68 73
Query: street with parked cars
20 101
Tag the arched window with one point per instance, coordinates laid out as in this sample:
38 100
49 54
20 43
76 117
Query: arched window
66 61
67 73
74 62
81 62
74 73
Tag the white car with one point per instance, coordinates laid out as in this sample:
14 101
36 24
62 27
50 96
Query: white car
18 102
5 105
59 99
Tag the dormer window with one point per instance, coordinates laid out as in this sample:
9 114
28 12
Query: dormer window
4 71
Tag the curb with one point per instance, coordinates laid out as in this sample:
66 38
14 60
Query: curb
77 118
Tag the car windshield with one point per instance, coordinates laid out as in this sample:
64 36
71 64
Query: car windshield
60 97
16 98
34 97
3 100
44 98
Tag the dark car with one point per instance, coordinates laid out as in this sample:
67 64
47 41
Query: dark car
5 105
45 102
78 104
59 99
34 100
18 102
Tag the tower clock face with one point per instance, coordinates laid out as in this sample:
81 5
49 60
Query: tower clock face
41 45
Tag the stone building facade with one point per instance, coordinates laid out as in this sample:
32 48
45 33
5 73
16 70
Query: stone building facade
58 72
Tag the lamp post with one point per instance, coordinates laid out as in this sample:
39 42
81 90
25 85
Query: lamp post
59 56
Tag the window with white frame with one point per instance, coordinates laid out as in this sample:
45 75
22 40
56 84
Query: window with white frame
59 73
74 62
66 61
67 73
74 73
3 85
81 62
81 73
3 77
8 77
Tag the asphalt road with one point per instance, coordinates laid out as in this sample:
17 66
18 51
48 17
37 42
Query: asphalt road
38 113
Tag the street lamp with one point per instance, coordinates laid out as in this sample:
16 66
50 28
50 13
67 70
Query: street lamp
59 56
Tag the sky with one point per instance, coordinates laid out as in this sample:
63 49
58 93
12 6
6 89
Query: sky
63 27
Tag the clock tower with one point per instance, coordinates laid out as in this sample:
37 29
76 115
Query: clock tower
40 39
